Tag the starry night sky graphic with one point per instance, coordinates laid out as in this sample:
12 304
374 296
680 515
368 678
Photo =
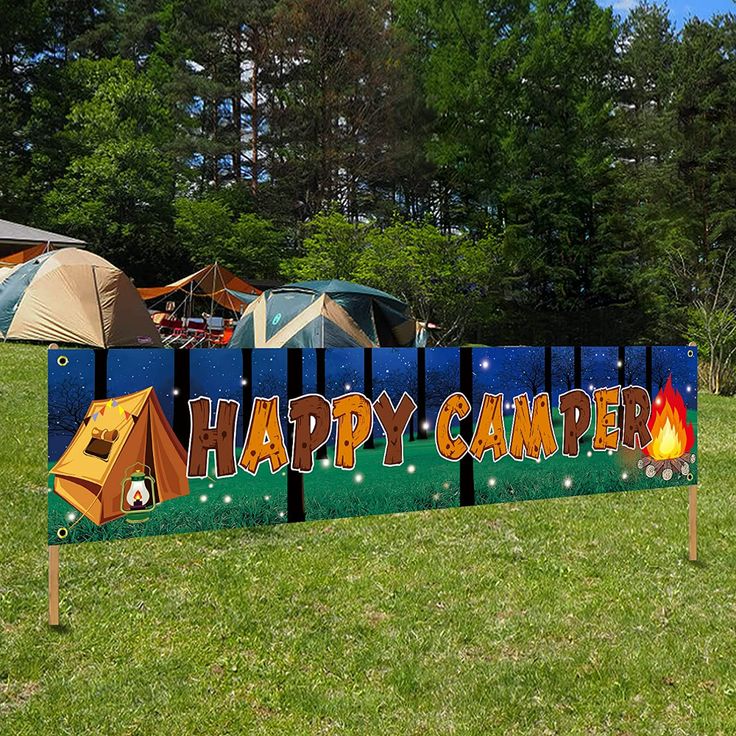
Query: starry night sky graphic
218 374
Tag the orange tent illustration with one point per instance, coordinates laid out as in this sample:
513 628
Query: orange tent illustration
117 436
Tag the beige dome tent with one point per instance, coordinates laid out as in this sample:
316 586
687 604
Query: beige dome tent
74 296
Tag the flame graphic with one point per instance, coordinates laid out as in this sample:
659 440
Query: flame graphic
672 435
137 496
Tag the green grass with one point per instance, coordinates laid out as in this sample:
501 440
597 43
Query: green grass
567 616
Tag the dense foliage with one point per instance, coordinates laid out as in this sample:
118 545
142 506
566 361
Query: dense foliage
518 171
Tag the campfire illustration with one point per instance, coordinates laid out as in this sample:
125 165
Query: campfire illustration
672 436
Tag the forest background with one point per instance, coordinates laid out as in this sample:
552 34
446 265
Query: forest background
519 172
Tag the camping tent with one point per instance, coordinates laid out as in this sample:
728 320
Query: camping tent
325 314
16 237
90 473
213 282
27 254
73 296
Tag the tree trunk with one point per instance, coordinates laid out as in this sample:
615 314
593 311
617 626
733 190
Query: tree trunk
254 112
295 510
467 483
100 374
181 397
238 106
321 381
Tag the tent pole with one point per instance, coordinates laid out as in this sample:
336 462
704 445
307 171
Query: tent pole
54 585
214 284
212 302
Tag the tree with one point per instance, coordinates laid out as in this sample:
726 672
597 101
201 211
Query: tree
331 250
334 121
465 51
202 228
24 25
705 104
257 247
250 246
67 407
444 279
212 56
713 326
117 190
563 368
558 153
640 219
530 373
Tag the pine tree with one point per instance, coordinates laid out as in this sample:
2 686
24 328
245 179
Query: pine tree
464 51
638 223
118 188
705 105
24 26
558 153
334 119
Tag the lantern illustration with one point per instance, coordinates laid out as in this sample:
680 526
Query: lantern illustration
137 499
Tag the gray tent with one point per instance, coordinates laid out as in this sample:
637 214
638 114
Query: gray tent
15 237
316 314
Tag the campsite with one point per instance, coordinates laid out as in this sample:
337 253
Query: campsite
368 368
274 626
64 294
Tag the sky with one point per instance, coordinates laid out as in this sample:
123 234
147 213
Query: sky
680 10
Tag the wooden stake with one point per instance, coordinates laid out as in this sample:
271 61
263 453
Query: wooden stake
54 585
693 522
693 512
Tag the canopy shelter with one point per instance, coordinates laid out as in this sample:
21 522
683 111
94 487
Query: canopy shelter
25 255
73 296
319 314
16 238
213 282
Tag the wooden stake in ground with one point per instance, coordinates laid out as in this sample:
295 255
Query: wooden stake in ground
692 504
693 522
54 585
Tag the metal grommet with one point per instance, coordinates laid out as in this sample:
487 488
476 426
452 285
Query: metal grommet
62 533
690 476
62 360
690 353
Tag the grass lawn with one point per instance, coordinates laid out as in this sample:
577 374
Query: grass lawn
567 616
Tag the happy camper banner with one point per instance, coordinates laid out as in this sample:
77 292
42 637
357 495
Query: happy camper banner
147 442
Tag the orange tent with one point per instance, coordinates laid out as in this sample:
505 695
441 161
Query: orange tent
116 437
28 254
214 282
